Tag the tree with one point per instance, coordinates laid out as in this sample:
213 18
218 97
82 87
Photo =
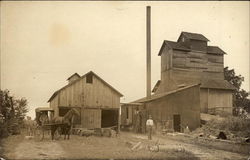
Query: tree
5 105
12 112
240 95
20 109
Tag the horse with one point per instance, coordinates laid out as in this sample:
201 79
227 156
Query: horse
64 123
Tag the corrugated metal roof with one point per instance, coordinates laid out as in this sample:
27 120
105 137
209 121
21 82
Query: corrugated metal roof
215 50
217 84
90 72
157 96
194 36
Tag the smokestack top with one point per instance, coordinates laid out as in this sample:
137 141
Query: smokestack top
148 61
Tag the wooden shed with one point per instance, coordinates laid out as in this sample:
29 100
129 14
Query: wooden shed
97 101
170 110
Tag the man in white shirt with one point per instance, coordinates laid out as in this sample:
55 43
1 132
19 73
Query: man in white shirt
150 124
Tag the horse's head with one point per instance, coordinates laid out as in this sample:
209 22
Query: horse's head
69 116
72 113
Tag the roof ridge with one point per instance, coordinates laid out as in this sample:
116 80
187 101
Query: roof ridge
160 95
195 36
56 92
73 75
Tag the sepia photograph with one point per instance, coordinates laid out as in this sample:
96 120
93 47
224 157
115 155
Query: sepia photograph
165 80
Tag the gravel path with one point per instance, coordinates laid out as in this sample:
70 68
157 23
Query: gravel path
204 153
17 147
39 150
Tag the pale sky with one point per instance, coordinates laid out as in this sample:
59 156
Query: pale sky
43 43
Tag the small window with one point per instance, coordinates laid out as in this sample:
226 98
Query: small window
89 78
183 39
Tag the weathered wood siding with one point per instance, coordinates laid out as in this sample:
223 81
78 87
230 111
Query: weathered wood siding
89 97
127 113
186 103
54 105
197 61
182 67
198 45
91 118
204 100
167 82
73 78
220 98
82 94
166 59
216 98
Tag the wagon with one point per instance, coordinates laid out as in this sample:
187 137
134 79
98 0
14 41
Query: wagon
44 110
44 127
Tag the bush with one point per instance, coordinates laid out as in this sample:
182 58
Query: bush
3 130
236 125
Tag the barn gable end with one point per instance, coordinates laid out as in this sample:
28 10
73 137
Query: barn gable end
90 94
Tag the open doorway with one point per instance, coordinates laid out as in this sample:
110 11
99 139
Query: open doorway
109 118
177 123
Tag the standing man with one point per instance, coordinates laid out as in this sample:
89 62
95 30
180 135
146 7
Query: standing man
150 124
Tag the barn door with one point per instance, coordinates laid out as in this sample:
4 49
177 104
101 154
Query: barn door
91 118
177 123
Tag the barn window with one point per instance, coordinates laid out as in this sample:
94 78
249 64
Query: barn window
183 39
89 78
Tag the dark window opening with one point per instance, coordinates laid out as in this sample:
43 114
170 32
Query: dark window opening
89 78
177 123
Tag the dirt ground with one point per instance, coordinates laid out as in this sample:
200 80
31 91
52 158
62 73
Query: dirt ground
17 147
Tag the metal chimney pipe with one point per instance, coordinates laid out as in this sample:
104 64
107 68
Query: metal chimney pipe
148 51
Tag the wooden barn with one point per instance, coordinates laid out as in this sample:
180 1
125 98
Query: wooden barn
173 110
190 61
97 101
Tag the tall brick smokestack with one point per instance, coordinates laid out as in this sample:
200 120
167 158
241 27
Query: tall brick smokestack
148 51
